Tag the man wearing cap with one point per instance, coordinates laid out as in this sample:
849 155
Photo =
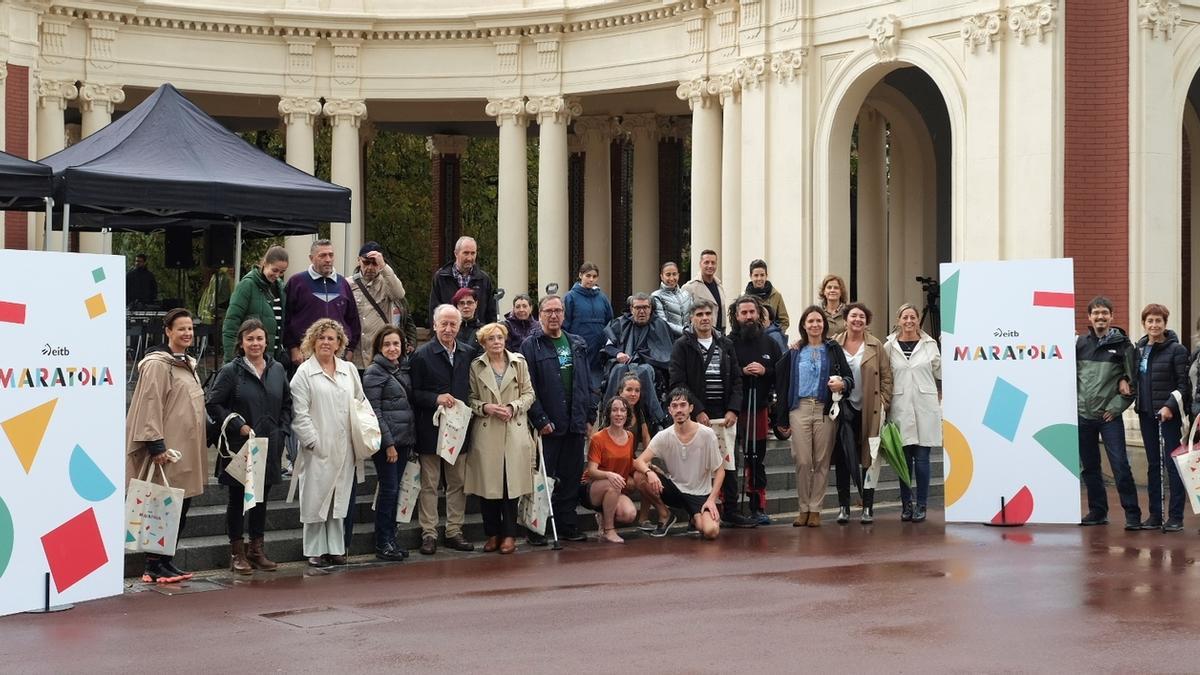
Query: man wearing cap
379 295
462 272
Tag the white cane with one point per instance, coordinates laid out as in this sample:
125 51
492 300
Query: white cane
556 546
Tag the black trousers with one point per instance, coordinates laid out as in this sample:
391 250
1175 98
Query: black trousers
235 520
499 515
564 463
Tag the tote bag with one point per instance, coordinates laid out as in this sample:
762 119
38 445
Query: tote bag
1187 460
453 424
410 488
152 513
364 426
248 466
533 509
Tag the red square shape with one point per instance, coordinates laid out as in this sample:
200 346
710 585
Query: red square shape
74 550
12 312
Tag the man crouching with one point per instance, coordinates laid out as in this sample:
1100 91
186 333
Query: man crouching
694 467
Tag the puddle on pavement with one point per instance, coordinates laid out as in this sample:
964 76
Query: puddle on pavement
185 587
317 617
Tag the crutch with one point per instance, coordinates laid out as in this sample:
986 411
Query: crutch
1162 475
751 446
554 545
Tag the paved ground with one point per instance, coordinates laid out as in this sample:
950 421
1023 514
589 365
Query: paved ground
900 597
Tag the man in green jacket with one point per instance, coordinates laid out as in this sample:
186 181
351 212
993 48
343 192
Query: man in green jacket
1104 359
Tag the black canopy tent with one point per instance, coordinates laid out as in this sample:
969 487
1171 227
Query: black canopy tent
24 185
169 163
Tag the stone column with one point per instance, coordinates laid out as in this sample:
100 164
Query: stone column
512 208
597 133
706 168
51 134
96 104
643 130
789 183
553 114
873 239
445 154
729 91
346 115
299 114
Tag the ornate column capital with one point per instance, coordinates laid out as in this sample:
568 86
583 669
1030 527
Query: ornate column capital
982 29
641 127
510 110
595 129
446 144
55 93
751 72
1159 17
1033 19
299 109
696 91
100 97
788 66
884 32
726 87
555 109
345 111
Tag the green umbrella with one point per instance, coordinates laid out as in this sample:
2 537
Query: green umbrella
891 448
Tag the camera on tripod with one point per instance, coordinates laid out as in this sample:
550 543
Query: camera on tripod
929 285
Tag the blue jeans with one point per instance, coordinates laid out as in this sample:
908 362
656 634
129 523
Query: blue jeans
917 458
389 496
1172 431
1113 434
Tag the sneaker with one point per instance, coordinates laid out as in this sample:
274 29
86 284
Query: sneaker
390 553
738 520
906 513
867 516
918 515
1173 525
155 574
573 534
647 526
1133 523
1152 523
535 539
762 518
1094 518
843 515
691 530
661 529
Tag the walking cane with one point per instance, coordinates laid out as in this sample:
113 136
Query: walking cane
555 545
1162 475
751 447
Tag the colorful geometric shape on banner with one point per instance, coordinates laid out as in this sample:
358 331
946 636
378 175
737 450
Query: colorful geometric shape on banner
962 462
26 430
1062 442
87 478
95 305
1053 299
98 274
74 550
7 535
949 303
1005 408
1016 510
12 312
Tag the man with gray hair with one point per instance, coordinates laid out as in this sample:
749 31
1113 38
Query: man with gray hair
639 342
441 371
462 272
319 293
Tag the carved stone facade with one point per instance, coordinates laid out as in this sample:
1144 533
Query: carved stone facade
509 110
559 109
884 32
982 30
1160 17
103 97
1036 20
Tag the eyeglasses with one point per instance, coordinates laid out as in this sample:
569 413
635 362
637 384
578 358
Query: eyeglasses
552 311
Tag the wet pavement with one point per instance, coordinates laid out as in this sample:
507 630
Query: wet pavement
894 596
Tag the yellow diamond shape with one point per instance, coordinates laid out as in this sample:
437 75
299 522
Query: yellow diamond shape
95 305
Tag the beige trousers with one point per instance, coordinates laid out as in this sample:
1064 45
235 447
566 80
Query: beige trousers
432 467
812 444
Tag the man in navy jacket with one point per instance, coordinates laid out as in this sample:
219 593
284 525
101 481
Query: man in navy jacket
562 411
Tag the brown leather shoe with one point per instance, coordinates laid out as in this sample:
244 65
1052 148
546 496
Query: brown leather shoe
258 558
508 546
428 545
491 544
237 558
458 543
814 519
337 559
801 520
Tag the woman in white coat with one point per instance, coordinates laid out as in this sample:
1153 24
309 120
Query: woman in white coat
916 403
322 390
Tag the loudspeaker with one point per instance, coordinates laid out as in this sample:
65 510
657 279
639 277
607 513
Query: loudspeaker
219 243
179 249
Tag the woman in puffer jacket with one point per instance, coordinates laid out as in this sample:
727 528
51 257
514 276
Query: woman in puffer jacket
588 312
387 386
671 303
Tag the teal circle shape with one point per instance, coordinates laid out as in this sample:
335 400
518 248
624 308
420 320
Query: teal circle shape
6 537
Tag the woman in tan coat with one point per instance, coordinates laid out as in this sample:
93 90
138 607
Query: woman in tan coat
168 389
870 398
500 463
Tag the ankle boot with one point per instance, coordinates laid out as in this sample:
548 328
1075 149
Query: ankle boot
258 557
237 558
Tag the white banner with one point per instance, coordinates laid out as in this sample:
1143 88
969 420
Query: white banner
1008 374
62 428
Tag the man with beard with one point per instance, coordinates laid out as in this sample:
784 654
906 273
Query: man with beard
640 343
757 355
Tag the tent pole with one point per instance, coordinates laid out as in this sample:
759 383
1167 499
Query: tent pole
49 224
237 253
66 240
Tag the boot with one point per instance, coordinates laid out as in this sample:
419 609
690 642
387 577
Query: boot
237 558
868 510
258 557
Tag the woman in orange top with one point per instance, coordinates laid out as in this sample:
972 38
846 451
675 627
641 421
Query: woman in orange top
609 475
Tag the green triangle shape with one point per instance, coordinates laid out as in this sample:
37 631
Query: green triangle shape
129 536
1062 442
949 291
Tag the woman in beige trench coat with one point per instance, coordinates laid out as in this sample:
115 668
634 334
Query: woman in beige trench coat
500 463
168 389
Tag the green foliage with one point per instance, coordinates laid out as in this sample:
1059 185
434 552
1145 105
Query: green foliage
399 190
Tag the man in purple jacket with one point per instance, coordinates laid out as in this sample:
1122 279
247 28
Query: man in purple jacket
319 293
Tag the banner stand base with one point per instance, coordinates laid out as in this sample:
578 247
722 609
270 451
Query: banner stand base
52 609
1003 516
1003 524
